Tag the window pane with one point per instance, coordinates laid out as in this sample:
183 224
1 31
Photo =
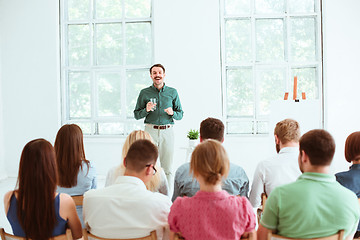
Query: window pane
111 128
238 40
137 8
237 7
135 81
271 87
307 82
270 6
85 127
303 6
138 43
79 95
78 9
109 44
134 125
262 127
240 93
109 94
79 45
243 127
302 39
269 40
108 9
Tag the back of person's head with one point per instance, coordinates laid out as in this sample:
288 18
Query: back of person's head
210 160
37 181
70 154
132 137
212 128
319 145
141 153
287 130
352 147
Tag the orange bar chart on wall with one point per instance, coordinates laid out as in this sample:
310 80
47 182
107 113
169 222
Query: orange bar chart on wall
295 88
286 96
303 95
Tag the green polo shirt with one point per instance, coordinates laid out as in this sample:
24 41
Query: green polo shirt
313 206
166 97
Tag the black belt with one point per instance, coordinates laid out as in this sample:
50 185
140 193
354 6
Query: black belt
161 127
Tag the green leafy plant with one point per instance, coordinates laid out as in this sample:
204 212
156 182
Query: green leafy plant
193 134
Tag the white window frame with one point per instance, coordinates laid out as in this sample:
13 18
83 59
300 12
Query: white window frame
317 64
95 69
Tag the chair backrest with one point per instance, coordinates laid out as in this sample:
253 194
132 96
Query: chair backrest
7 236
89 236
249 237
261 209
338 236
78 200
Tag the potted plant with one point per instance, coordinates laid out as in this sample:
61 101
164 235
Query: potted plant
193 136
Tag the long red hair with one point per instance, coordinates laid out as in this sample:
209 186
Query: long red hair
37 182
69 149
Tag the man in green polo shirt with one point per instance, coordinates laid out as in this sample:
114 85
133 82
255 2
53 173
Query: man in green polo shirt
160 105
315 205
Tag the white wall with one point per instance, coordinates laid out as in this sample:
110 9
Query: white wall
30 76
2 150
187 43
342 79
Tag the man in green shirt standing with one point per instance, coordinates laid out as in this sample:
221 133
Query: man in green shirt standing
315 205
160 105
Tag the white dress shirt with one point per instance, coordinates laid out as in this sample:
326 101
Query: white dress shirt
126 210
281 169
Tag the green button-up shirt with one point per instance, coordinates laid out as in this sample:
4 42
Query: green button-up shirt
166 97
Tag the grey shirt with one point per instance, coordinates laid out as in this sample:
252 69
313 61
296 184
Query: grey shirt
237 182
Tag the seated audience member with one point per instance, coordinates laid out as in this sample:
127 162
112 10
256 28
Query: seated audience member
316 205
127 209
212 213
236 183
282 168
76 174
351 179
35 210
158 182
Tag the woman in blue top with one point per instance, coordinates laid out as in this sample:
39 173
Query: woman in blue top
35 210
76 174
351 179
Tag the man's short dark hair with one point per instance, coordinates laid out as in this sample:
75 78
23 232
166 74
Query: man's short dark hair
319 145
212 128
141 153
157 65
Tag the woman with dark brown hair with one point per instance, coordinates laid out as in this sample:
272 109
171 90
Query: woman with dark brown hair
76 174
35 210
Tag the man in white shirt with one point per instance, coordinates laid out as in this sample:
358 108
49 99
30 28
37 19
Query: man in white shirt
127 209
282 168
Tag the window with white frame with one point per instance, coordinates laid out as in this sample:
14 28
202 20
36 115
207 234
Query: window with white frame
265 43
106 52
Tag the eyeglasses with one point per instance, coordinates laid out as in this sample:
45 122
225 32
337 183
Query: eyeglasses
148 165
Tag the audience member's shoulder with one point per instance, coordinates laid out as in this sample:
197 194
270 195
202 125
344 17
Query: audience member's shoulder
235 167
183 167
342 174
158 199
65 198
93 192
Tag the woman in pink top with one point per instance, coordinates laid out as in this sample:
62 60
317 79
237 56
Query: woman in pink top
212 213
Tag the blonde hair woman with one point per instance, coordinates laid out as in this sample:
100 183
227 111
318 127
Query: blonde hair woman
157 184
228 216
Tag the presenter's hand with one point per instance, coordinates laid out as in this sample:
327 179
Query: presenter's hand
150 106
169 111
